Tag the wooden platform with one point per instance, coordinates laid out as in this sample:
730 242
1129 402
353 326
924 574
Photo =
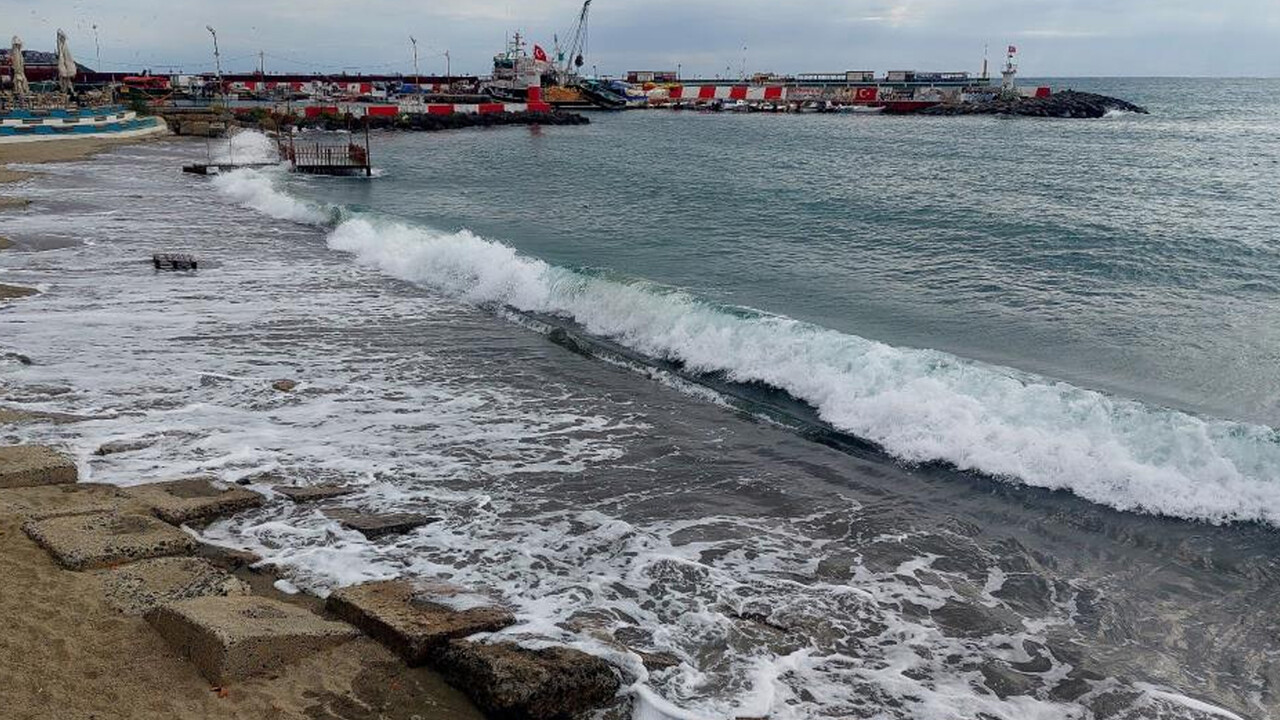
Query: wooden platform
174 261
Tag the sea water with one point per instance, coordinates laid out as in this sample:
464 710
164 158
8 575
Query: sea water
871 416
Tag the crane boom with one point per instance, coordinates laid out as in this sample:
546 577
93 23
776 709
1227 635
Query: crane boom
578 44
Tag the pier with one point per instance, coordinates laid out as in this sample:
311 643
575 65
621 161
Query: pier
321 158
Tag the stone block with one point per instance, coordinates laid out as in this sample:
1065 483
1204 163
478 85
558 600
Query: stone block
508 682
85 542
416 620
13 292
232 638
194 499
48 501
30 465
312 493
140 587
374 525
16 416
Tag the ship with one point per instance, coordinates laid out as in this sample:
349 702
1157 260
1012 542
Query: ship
515 70
896 91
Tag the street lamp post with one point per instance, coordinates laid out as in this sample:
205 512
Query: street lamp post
217 58
417 81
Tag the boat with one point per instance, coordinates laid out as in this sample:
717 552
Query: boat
27 116
515 70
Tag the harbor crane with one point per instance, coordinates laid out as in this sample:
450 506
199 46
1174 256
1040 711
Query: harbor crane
578 44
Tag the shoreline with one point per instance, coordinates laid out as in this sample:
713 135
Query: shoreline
49 151
64 660
102 572
53 151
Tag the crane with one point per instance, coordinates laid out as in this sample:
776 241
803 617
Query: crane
578 43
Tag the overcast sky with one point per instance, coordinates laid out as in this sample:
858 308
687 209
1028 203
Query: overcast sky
705 37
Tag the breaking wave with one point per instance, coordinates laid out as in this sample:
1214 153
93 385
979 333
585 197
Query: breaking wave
918 405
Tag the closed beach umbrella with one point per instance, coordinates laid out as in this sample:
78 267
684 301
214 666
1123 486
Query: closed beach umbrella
20 86
66 66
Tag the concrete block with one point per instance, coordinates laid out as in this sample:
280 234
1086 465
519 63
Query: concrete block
232 638
508 682
140 587
18 416
416 620
29 465
194 499
48 501
85 542
374 525
312 493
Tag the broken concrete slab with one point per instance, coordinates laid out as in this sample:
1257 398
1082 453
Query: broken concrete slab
507 681
86 542
13 292
313 493
225 557
49 501
374 525
232 638
416 620
18 416
138 588
123 446
31 465
194 499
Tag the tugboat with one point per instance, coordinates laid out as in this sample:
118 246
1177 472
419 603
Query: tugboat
515 69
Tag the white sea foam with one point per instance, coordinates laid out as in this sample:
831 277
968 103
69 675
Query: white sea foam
255 190
920 405
247 146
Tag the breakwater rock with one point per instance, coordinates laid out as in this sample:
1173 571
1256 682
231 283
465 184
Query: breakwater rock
419 121
1065 104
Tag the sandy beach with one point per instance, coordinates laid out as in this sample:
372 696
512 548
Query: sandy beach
67 653
51 151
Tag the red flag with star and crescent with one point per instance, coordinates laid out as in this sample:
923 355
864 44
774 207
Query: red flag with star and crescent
539 54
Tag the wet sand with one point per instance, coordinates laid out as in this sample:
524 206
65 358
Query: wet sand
51 151
42 152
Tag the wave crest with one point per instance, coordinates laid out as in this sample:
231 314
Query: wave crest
918 405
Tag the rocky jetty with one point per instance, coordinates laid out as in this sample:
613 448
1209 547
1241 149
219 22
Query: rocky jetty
417 121
1065 104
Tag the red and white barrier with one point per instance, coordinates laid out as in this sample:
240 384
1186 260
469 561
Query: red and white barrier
707 93
408 108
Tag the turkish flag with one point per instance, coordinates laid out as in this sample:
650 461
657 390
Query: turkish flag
539 54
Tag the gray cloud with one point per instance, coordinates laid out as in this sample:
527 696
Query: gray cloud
706 37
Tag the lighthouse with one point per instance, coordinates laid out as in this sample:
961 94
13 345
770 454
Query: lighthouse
1009 85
